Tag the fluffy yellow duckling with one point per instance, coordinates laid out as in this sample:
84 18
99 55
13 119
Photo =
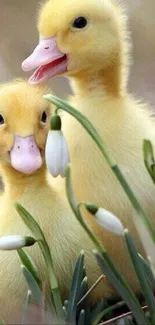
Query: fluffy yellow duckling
24 117
87 41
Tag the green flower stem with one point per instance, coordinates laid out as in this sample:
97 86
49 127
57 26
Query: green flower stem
100 247
103 148
52 278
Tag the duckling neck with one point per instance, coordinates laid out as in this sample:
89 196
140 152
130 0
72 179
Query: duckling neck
99 83
15 183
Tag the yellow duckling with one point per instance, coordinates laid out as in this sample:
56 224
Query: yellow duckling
24 120
87 41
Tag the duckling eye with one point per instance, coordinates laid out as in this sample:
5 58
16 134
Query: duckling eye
44 117
1 120
79 22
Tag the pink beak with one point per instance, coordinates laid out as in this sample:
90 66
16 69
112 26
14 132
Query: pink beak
25 155
48 59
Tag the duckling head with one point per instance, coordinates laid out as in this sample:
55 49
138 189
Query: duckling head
79 39
24 116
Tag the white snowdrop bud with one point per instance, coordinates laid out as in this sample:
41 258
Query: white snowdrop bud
15 241
106 219
56 150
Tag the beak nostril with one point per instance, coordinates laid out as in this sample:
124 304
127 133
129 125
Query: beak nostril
18 147
32 146
46 48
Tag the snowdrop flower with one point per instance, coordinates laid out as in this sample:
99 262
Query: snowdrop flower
15 241
106 219
56 150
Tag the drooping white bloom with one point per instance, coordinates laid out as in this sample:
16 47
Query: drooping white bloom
106 219
109 221
15 241
56 153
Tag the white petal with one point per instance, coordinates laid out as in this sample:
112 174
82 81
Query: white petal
65 156
109 221
11 242
53 152
56 153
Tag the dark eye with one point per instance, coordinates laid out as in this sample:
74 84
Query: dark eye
44 117
1 120
79 22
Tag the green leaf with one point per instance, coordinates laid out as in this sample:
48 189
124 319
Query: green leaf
81 320
29 264
101 311
32 285
145 287
75 289
83 288
122 289
36 230
30 222
66 304
149 158
26 308
148 272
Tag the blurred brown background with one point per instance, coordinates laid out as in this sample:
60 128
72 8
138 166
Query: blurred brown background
18 36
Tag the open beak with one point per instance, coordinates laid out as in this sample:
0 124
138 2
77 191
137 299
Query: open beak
48 60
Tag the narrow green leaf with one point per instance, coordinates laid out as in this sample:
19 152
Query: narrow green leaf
145 287
36 230
148 272
124 291
64 311
26 308
30 222
75 289
83 288
102 311
32 285
29 264
149 158
81 320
